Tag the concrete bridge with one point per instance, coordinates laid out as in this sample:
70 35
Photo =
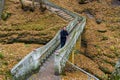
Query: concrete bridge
50 59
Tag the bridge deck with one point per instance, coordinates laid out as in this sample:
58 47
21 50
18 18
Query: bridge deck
46 72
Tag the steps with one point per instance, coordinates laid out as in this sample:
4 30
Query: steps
60 13
64 15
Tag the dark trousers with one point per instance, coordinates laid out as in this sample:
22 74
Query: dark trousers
62 42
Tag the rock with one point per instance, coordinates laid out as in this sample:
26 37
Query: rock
116 73
102 31
82 1
25 8
98 21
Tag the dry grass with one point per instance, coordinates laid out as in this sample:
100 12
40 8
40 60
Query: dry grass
31 27
13 53
102 51
28 27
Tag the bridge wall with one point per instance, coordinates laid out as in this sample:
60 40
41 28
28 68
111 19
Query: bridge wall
34 59
62 55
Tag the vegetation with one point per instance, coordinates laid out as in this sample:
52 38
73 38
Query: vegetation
82 1
97 56
1 55
20 26
23 27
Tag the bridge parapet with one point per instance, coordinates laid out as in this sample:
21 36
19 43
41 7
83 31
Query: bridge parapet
34 59
62 55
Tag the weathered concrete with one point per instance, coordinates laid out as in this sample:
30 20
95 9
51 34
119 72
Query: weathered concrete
33 61
46 72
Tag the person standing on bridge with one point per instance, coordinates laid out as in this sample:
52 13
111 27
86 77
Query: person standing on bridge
63 36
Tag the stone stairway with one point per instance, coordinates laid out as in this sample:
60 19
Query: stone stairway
64 15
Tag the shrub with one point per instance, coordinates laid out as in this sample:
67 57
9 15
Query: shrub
82 1
5 16
104 38
1 55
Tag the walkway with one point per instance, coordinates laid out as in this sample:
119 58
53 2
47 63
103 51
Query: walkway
46 72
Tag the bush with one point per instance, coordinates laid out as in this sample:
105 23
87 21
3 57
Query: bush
1 56
5 16
82 1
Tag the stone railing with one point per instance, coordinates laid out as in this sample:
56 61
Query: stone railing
2 2
34 60
62 54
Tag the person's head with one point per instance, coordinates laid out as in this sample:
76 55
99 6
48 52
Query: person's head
64 28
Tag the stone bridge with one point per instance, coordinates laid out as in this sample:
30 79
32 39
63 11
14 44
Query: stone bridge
51 59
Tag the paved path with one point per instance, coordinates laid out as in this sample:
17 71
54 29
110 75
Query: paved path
46 72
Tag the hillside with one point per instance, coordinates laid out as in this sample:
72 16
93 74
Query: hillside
27 26
22 32
100 42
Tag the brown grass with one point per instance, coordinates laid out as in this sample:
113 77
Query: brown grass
28 27
101 53
24 27
13 53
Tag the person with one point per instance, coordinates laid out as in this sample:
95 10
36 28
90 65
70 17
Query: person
63 36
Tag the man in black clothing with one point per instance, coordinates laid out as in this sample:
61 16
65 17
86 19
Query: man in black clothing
63 36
